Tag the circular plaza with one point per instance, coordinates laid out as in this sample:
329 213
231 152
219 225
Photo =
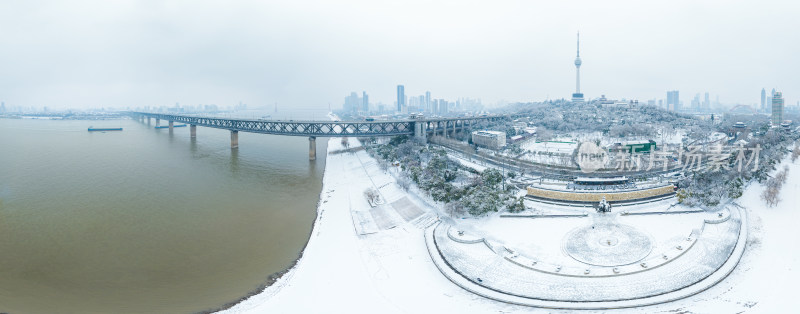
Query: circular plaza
607 244
559 256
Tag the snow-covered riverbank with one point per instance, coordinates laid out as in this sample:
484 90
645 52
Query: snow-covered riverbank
341 271
391 271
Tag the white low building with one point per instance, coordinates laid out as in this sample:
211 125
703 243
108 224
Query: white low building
489 139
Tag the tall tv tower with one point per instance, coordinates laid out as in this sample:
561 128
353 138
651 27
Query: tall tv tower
578 96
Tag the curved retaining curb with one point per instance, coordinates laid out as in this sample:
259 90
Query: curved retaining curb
459 240
709 281
722 216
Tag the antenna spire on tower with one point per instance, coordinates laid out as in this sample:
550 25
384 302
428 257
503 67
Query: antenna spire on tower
579 44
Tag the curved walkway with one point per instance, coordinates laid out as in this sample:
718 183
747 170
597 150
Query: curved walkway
481 268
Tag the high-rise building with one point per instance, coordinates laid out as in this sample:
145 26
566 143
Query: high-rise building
706 102
352 103
428 101
401 98
777 108
769 99
578 96
673 100
364 101
763 99
2 107
696 101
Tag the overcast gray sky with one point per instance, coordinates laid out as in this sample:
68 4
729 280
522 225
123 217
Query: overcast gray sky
310 53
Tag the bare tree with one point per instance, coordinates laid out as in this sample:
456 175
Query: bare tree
771 193
780 177
404 182
372 196
455 209
383 165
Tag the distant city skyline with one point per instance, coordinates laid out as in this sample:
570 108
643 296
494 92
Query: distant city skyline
306 55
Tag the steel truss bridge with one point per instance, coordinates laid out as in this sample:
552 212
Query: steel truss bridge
323 128
419 127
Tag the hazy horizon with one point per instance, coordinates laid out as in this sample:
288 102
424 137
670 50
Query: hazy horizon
305 54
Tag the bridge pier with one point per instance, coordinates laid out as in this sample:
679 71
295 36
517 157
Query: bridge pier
312 148
171 124
234 139
192 130
158 122
148 120
419 130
